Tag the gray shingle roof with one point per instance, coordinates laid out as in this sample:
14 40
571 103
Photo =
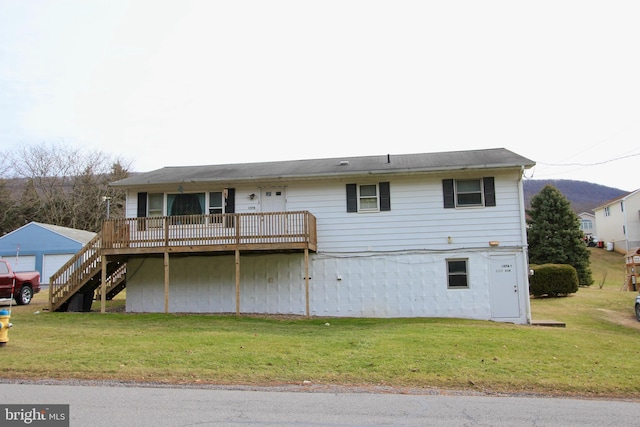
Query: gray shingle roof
80 236
342 166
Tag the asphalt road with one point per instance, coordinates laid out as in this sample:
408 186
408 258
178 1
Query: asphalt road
112 405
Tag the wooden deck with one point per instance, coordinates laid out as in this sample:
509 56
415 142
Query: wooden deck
210 233
103 260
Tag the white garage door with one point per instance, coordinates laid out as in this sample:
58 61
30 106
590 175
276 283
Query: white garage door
51 264
24 262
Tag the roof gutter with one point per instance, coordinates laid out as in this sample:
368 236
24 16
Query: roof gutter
331 175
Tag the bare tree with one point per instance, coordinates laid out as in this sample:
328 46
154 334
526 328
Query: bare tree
64 185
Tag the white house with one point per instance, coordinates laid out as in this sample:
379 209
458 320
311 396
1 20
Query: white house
588 224
415 235
618 222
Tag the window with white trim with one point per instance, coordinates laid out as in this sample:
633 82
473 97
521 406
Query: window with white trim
156 204
586 225
457 276
185 204
178 204
216 205
469 192
191 205
368 197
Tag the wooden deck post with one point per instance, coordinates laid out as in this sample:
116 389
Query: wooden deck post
103 285
306 279
166 282
237 282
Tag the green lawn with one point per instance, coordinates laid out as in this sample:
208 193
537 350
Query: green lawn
595 355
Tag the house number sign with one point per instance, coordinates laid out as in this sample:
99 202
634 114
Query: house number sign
504 268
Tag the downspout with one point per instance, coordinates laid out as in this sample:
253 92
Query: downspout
525 246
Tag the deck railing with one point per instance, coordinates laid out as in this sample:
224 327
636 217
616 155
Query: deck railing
277 228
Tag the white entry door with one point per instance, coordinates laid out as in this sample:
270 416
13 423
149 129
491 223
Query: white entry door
274 199
505 301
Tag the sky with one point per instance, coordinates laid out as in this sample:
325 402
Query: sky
187 82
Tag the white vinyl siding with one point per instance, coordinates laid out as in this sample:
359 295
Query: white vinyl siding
417 220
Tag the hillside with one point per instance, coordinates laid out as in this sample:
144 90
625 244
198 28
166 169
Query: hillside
584 196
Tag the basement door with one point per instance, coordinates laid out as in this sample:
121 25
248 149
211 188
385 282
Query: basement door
505 301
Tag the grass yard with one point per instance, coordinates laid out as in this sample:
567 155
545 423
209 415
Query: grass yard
595 355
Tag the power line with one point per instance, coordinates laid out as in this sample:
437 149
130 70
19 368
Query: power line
590 164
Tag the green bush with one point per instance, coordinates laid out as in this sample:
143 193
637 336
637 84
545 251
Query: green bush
553 280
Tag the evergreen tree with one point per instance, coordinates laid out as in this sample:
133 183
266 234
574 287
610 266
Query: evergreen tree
554 234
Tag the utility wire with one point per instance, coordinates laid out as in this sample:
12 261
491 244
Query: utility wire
590 164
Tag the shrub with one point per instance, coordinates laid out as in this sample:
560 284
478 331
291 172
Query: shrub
553 280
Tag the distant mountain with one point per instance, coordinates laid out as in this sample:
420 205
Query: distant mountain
584 196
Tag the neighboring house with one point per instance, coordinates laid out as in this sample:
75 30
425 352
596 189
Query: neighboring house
588 224
42 247
618 222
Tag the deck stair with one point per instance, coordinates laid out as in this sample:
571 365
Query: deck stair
73 286
116 280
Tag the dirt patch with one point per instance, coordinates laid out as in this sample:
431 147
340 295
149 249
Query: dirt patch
620 318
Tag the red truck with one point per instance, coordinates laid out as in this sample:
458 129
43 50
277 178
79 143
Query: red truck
22 285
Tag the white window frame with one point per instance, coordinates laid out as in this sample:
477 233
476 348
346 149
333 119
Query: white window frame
203 208
457 274
459 193
152 210
368 197
211 207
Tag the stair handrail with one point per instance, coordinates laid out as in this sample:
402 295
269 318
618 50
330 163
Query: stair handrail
113 280
73 274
